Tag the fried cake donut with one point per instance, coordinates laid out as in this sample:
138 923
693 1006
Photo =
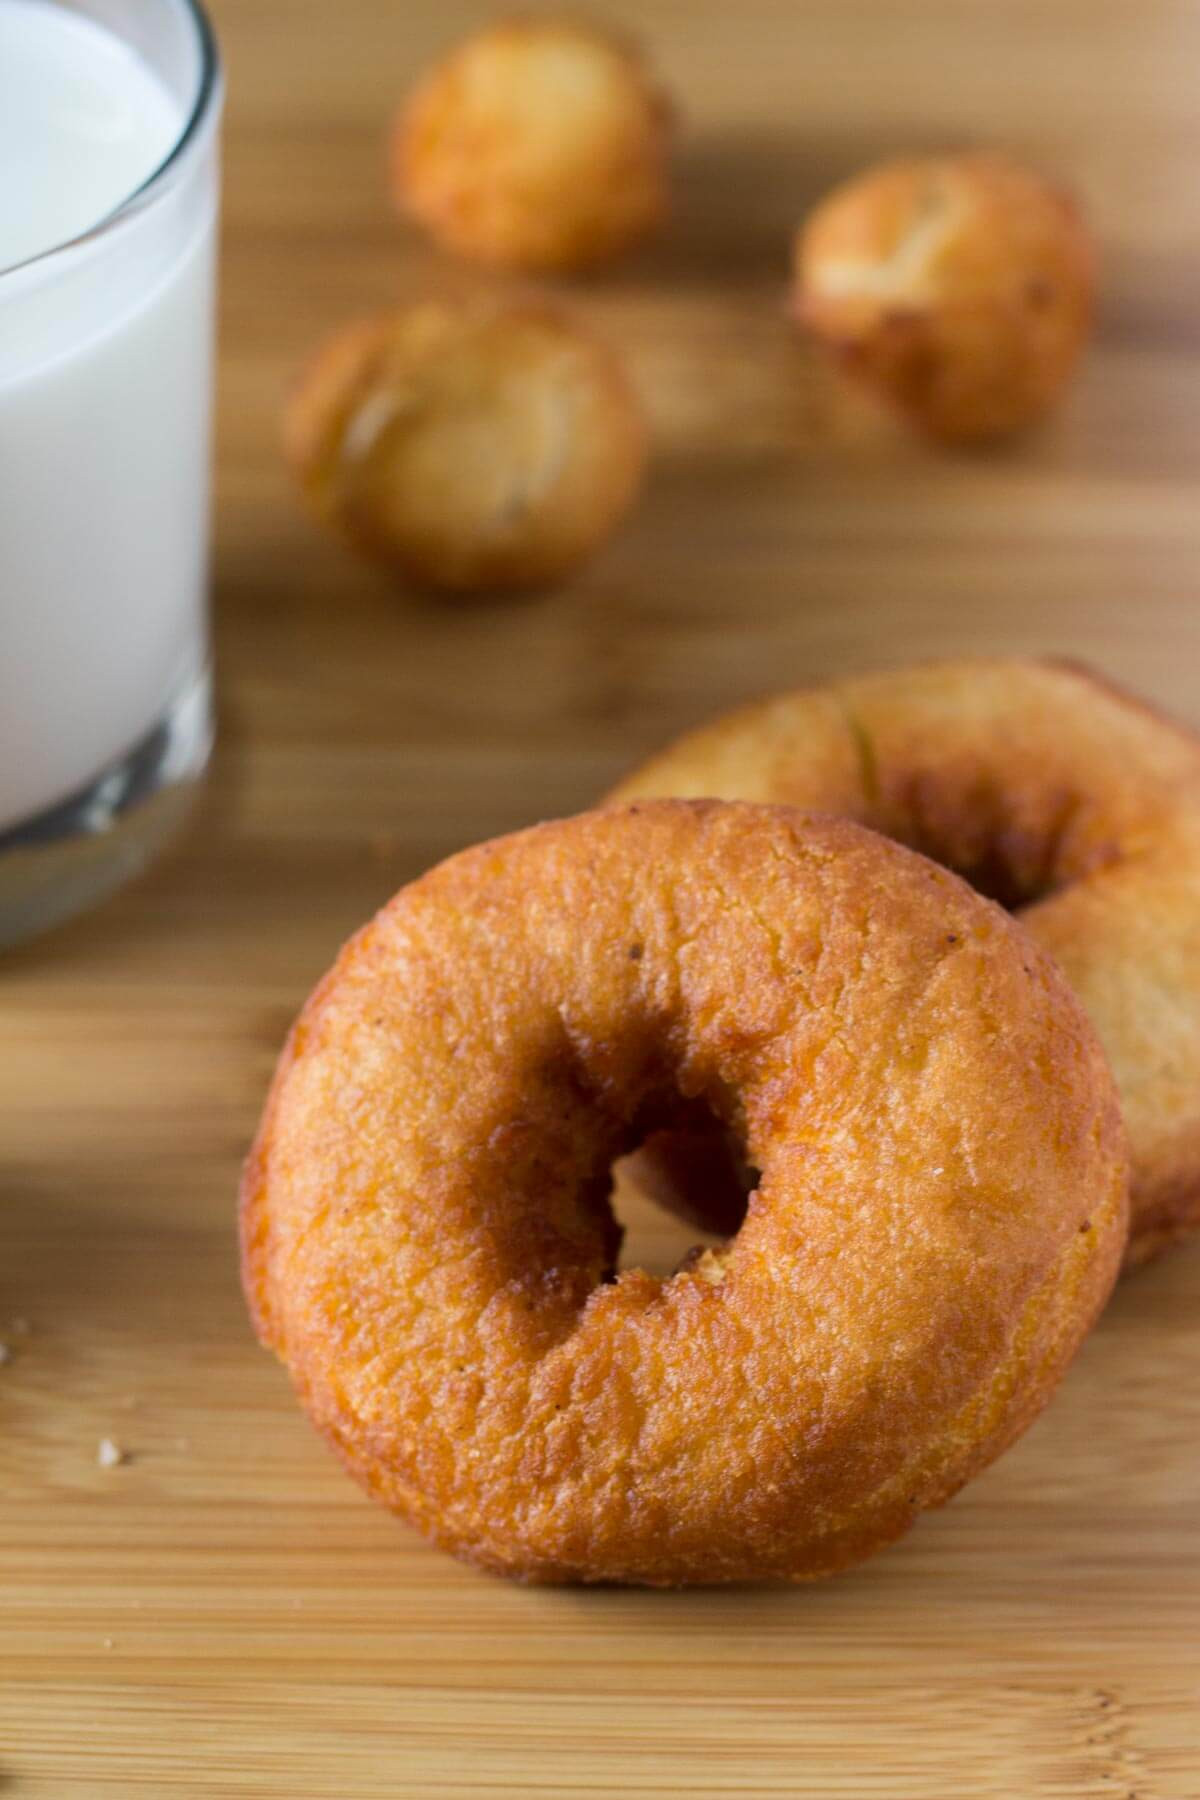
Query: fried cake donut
428 1244
467 447
959 288
539 143
1069 801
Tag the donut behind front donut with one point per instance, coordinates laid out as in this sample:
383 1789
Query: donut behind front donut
429 1246
1071 802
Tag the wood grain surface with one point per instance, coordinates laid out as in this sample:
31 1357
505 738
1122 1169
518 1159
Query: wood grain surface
223 1614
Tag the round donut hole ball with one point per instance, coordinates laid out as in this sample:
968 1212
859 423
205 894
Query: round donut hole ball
468 450
958 288
938 1213
539 143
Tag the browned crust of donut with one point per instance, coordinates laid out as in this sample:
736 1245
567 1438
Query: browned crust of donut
1089 789
418 1250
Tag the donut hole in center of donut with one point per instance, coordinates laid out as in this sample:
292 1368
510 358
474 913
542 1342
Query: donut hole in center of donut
607 1166
1015 844
990 872
1013 867
684 1189
1015 829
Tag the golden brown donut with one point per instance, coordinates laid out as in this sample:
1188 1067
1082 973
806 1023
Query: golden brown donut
467 448
428 1243
539 143
1050 789
959 288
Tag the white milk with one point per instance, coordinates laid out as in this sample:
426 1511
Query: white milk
105 375
82 123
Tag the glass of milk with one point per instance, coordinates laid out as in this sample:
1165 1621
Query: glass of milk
108 198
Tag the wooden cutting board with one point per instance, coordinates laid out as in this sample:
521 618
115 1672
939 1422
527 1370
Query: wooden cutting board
223 1614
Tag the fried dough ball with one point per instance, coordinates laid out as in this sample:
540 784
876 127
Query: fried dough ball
959 288
539 143
428 1243
466 449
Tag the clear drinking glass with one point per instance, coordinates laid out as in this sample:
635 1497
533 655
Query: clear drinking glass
105 399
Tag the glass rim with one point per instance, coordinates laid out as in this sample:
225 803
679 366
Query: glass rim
207 89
